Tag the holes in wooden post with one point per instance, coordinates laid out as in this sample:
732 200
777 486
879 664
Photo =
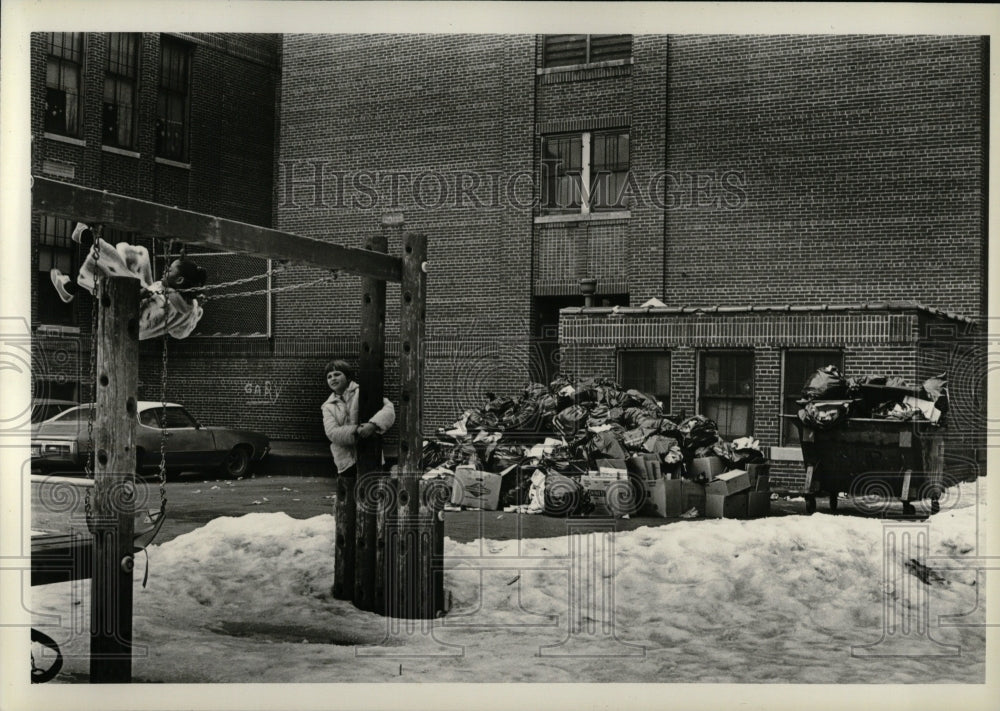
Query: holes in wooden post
408 249
105 300
404 500
132 328
130 406
341 490
405 396
102 457
408 297
366 348
104 380
404 446
340 540
368 298
406 346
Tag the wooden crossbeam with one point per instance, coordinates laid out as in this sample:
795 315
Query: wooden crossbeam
75 202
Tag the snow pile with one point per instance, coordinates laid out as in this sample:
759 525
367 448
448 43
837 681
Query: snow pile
783 599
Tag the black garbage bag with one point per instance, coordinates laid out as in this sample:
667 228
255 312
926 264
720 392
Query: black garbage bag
499 405
565 496
631 415
598 416
825 384
503 456
825 414
518 493
526 417
534 391
434 454
698 431
571 418
605 445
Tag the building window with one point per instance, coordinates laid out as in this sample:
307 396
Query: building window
63 83
55 250
726 391
121 76
799 365
648 372
598 160
172 100
565 50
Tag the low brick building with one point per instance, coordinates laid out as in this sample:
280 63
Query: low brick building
745 367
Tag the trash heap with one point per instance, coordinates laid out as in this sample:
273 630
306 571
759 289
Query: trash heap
592 447
829 399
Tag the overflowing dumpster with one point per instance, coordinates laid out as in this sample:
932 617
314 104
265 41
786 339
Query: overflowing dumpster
875 442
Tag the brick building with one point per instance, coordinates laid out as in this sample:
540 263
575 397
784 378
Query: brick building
185 120
725 172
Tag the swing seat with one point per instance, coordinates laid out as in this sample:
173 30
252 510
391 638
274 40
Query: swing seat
147 525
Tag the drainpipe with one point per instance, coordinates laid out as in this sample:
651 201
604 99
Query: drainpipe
588 287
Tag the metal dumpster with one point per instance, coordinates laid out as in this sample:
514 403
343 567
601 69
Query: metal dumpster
874 460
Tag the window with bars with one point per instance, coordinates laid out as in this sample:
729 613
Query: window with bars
55 251
584 172
172 100
566 50
63 83
648 372
726 391
799 365
120 86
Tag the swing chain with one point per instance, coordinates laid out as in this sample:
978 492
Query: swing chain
90 462
163 386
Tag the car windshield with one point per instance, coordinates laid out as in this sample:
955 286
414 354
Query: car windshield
74 414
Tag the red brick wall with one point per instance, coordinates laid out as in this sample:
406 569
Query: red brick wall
863 169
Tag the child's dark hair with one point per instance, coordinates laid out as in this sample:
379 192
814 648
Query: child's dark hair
194 276
342 365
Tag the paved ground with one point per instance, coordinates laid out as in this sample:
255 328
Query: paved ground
58 507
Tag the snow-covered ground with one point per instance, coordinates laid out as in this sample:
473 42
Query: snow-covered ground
777 599
795 599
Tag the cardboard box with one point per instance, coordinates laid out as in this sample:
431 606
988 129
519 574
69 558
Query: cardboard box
611 468
763 483
476 489
729 483
758 504
611 497
669 498
722 506
645 465
711 467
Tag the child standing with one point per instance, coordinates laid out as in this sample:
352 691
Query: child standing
163 308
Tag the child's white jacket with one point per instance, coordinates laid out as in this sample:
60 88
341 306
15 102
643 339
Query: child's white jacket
340 421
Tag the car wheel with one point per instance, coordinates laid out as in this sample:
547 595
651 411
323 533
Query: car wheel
237 462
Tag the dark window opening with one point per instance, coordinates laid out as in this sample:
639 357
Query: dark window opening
172 100
647 372
726 391
63 83
120 82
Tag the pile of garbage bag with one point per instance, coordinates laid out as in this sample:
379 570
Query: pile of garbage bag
829 399
549 436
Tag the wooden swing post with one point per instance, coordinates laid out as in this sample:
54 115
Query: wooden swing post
112 515
371 368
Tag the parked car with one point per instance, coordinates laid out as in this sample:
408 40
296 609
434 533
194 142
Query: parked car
62 442
44 408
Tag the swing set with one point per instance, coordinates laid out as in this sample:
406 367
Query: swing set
388 555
